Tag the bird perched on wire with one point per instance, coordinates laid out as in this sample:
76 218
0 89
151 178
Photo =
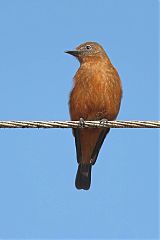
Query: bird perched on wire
96 95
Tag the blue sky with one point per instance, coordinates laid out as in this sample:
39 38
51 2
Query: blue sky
37 167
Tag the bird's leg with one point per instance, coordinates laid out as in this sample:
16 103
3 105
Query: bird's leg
99 142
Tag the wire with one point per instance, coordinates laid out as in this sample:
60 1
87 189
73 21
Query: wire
76 124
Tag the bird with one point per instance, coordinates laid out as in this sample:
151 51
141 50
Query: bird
96 95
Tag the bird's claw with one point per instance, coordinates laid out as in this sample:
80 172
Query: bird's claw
81 123
103 121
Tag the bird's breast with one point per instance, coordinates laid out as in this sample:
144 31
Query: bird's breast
96 93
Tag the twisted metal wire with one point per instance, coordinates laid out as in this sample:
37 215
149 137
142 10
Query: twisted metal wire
76 124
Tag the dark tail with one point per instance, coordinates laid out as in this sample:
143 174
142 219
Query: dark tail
83 177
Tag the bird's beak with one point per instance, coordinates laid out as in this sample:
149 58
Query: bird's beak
73 52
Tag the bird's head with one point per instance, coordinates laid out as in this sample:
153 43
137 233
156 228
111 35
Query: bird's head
88 51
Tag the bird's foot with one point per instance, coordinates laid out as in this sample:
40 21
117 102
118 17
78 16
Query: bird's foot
103 121
81 123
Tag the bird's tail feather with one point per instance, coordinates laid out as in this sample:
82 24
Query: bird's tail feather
83 177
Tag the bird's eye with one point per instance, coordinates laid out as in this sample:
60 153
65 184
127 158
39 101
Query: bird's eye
88 47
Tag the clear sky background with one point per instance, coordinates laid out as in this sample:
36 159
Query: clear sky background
38 198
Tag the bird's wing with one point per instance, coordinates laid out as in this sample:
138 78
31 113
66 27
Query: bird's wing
76 133
88 143
98 144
